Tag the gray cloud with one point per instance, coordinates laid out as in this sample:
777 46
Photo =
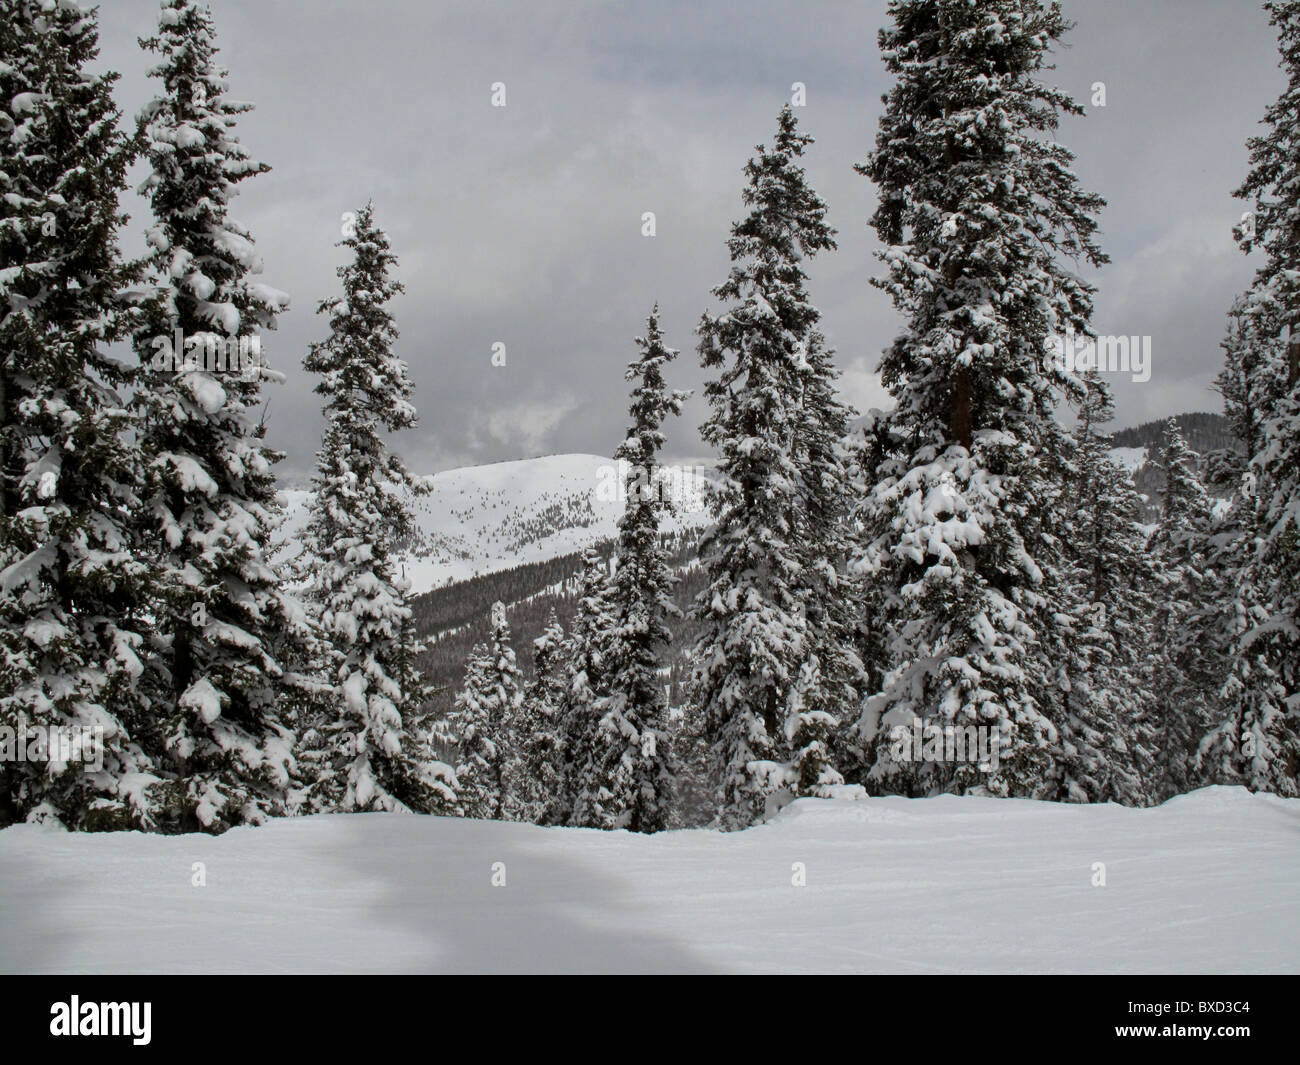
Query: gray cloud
522 224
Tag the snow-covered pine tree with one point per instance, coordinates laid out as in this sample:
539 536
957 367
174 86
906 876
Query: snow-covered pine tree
586 659
1245 389
1108 699
978 209
694 798
628 781
821 735
756 679
540 740
872 639
229 638
1187 672
1256 738
72 588
505 700
478 754
359 516
1251 741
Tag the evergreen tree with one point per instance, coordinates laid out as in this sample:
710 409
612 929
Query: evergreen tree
962 545
1250 740
872 637
358 519
1256 739
587 656
1246 391
478 753
629 777
831 678
821 738
1233 606
541 743
73 586
1104 747
1187 673
693 803
756 666
505 700
230 640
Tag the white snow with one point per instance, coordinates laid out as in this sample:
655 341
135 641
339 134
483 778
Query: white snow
1131 458
24 102
203 697
1208 882
207 392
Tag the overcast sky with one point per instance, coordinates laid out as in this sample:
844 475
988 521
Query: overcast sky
522 225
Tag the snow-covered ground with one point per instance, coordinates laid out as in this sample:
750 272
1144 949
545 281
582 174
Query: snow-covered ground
1209 882
481 519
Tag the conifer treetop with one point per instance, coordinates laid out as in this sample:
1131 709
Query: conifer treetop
197 162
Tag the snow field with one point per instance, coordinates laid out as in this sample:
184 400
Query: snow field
1208 882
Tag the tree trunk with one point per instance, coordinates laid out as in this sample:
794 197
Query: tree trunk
961 408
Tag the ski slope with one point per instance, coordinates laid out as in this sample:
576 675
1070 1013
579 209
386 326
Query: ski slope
480 519
1208 882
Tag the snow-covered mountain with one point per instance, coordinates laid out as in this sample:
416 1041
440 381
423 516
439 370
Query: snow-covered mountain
484 519
481 519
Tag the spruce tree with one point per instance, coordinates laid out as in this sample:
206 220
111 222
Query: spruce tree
505 699
540 740
1250 739
230 641
587 655
628 779
478 753
359 517
1103 743
1251 349
73 585
832 677
756 668
962 545
1187 673
486 726
1256 738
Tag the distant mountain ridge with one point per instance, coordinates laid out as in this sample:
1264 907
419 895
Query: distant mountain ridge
515 532
484 519
1204 432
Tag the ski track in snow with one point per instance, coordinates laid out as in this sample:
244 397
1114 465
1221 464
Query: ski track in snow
1208 882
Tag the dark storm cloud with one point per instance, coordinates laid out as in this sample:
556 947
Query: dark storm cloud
522 225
